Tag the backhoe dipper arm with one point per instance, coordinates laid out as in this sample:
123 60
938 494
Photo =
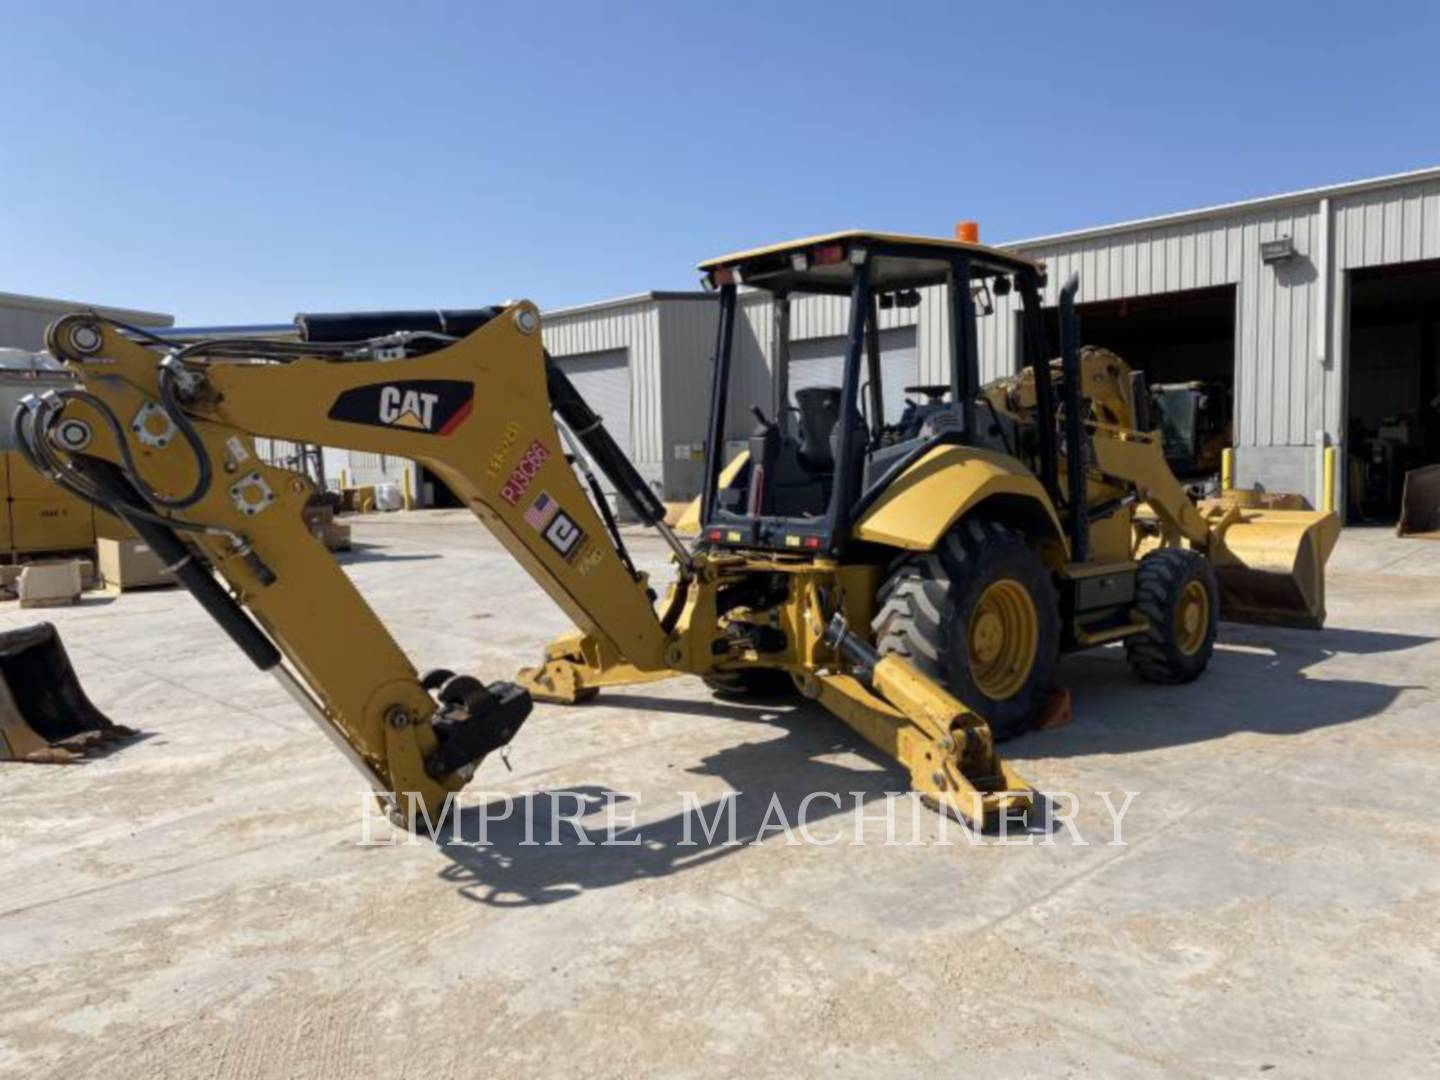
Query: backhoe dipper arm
476 413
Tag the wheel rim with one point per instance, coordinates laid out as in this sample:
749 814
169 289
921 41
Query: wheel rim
1004 639
1192 617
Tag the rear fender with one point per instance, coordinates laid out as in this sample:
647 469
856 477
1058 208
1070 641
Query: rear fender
949 482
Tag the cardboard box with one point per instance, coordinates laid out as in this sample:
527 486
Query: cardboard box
50 584
318 515
358 500
130 564
334 536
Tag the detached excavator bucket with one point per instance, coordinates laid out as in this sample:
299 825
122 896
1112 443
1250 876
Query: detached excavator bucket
1271 563
44 715
1420 505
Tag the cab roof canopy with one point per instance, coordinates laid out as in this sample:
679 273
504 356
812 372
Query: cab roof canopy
826 264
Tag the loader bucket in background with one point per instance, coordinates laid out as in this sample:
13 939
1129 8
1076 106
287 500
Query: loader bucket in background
1271 563
1420 505
44 715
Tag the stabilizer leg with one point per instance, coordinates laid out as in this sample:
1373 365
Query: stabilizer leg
577 666
948 750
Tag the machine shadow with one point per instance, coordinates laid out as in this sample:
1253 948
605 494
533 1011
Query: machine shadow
363 553
1263 669
1258 682
517 868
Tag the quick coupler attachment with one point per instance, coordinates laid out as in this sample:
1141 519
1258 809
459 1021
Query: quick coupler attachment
474 720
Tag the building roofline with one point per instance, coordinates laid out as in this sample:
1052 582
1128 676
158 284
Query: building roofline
1330 191
46 303
628 301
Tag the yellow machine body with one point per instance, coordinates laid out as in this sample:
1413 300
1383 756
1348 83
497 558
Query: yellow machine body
500 452
1269 554
949 482
36 517
480 411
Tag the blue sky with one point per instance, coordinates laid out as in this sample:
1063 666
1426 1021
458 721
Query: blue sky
245 162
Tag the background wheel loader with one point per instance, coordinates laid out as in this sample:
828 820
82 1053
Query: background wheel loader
1193 419
915 578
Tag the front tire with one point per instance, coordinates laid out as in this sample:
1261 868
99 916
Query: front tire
981 616
1176 591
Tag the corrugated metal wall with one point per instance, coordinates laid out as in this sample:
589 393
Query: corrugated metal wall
1291 330
634 327
1279 377
1377 228
1391 225
687 343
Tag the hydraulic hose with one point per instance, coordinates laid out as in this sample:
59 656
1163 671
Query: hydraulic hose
167 379
600 444
185 564
122 440
122 500
33 444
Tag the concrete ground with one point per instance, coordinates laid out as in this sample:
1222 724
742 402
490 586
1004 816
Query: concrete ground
200 903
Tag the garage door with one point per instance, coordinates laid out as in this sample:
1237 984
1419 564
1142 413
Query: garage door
821 362
603 380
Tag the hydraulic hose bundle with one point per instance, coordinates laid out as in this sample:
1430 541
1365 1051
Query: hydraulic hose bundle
31 427
120 490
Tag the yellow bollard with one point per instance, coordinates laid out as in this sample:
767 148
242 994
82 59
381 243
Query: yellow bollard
344 480
1328 495
405 489
1227 469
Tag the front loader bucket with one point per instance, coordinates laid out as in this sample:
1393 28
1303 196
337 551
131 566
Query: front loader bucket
1271 564
1420 505
44 715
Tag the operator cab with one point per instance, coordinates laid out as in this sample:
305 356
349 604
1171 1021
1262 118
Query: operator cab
820 453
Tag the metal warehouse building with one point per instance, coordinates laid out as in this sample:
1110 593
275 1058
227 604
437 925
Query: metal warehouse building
1315 314
23 319
1318 310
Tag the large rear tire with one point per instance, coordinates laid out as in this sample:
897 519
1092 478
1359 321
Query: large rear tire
1176 591
981 616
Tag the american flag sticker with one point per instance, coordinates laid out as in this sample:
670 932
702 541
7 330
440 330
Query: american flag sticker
541 511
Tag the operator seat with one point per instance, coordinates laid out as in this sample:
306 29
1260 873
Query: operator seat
819 413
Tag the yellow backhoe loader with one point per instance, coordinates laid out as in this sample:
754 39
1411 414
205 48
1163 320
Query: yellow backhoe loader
918 578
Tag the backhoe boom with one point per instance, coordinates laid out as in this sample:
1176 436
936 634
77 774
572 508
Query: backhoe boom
476 413
167 442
